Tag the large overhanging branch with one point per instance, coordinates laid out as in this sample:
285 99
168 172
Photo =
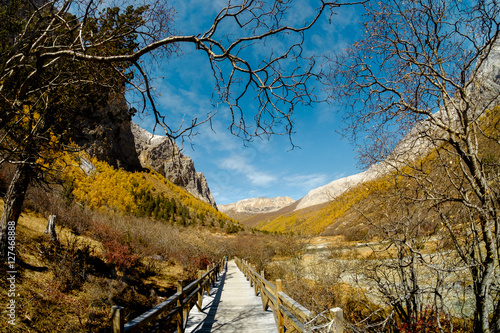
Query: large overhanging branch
278 87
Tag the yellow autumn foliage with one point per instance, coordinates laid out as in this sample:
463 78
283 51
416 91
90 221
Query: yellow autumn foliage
313 222
106 188
189 200
490 121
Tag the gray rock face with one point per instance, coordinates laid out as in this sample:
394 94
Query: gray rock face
111 140
112 137
161 154
257 205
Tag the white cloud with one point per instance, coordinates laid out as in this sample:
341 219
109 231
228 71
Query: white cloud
261 178
307 182
241 165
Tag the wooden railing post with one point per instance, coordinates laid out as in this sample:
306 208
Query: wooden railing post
200 293
209 284
117 320
281 324
180 319
265 300
338 316
51 228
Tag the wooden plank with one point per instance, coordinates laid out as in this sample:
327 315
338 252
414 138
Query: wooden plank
282 304
265 302
231 307
150 315
297 309
291 318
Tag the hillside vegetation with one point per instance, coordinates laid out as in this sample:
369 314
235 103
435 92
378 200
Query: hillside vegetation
350 213
143 194
315 220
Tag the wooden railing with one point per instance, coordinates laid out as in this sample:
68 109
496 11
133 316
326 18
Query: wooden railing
176 308
289 314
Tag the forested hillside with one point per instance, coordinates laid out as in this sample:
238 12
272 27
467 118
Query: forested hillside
316 219
142 194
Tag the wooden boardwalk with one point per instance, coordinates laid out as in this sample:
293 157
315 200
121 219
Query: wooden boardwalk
231 307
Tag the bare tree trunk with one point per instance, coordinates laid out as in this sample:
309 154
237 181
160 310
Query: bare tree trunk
13 203
495 324
482 286
51 228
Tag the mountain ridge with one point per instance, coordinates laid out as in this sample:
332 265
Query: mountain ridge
162 155
257 205
243 209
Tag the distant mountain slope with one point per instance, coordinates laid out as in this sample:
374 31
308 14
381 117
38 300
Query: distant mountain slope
257 220
324 209
350 202
314 220
251 212
161 154
259 211
257 205
328 192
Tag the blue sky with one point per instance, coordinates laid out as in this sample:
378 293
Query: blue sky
270 168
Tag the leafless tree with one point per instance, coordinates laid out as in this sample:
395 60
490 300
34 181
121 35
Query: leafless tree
422 92
413 273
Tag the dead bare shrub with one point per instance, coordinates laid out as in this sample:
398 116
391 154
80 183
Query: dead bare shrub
69 260
50 201
261 249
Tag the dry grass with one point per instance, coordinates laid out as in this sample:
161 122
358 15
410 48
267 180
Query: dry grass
46 305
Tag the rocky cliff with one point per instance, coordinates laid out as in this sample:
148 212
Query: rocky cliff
161 154
257 205
111 136
107 135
